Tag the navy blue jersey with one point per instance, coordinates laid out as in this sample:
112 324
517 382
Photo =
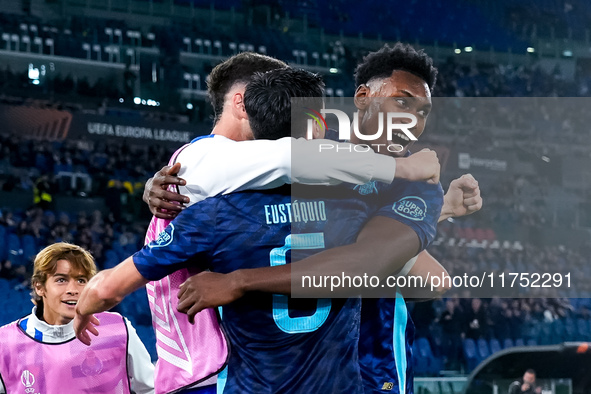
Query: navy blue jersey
281 344
278 344
387 330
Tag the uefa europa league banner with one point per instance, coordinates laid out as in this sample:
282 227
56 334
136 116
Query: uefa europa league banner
54 124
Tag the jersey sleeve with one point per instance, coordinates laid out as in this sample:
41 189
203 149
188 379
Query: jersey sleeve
217 165
185 241
327 162
417 205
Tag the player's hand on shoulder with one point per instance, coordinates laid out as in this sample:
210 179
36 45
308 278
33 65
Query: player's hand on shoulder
208 290
165 204
463 196
420 166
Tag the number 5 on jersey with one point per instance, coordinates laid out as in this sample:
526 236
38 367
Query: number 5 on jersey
297 325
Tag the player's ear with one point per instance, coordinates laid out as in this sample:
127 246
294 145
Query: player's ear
39 289
317 131
238 105
361 97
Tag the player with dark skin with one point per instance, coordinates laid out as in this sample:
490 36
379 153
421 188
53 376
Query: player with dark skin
401 92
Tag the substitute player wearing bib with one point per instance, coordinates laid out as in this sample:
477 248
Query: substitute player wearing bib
40 352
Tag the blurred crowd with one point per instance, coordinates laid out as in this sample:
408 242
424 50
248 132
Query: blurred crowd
449 322
96 232
112 170
116 172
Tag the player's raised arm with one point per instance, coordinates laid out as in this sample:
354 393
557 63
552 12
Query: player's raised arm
387 243
265 164
325 162
209 289
105 290
462 198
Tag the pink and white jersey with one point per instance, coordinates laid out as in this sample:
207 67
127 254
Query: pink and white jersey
28 365
187 354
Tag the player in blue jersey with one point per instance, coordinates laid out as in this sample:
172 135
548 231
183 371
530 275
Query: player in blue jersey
262 163
387 331
310 348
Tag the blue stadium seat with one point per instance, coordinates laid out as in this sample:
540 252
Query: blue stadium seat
148 337
142 308
507 343
30 248
532 342
558 332
121 254
435 364
545 334
583 329
570 330
15 249
519 342
437 340
4 286
495 345
420 364
3 248
483 350
470 354
111 259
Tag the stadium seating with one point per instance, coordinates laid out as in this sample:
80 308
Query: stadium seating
98 41
483 350
30 248
3 246
508 343
433 364
495 345
471 354
583 329
15 249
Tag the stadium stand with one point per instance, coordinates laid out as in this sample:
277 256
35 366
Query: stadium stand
151 59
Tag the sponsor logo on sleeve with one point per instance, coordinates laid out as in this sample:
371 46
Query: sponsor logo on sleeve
412 207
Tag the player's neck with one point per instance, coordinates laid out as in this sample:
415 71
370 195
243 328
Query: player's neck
230 128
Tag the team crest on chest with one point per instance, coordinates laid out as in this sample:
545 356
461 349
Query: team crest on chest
28 380
164 238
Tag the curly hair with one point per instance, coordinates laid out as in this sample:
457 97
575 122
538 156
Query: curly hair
382 63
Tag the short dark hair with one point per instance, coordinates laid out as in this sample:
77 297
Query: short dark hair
531 371
382 63
268 101
237 69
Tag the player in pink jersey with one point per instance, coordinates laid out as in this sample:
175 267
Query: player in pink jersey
40 353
